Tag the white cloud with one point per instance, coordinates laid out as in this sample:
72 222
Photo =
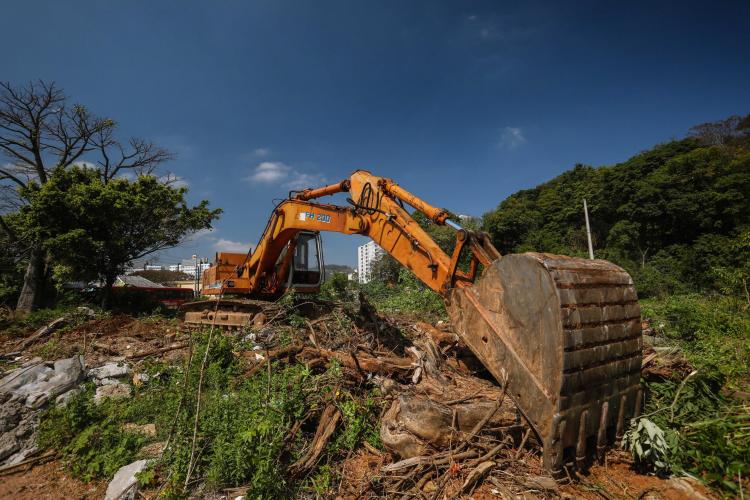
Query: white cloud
223 245
301 181
269 172
276 172
511 138
203 234
261 152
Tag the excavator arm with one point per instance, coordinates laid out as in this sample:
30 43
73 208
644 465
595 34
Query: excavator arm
564 332
378 213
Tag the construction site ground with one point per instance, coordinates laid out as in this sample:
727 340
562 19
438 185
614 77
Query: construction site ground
516 470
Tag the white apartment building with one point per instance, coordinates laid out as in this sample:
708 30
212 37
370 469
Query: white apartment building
367 254
188 267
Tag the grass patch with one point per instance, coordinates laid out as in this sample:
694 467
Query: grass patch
713 332
690 426
244 425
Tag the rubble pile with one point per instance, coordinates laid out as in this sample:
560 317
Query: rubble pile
446 427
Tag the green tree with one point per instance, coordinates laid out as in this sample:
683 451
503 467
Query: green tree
93 228
670 215
42 131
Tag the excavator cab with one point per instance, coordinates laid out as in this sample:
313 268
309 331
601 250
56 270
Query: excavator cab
307 271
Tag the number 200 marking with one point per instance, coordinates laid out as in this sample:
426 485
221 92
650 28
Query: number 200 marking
304 216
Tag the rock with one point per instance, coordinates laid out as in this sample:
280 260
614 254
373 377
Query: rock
10 414
687 487
259 320
146 429
35 384
18 425
153 449
86 311
8 446
124 486
107 381
110 370
115 392
65 397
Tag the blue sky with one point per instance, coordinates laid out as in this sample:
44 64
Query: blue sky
463 103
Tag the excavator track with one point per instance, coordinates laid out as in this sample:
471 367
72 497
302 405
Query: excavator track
226 314
566 333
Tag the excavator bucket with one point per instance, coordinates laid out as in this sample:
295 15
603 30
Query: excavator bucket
566 333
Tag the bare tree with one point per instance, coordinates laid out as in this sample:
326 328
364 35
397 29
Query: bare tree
719 132
40 131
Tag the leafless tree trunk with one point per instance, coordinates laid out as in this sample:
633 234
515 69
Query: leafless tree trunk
33 282
39 132
643 257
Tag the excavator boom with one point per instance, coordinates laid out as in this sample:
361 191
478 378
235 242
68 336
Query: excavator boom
565 332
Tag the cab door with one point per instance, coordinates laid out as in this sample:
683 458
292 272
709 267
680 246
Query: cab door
308 271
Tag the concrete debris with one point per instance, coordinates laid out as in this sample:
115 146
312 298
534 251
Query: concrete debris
63 399
111 370
115 392
23 392
124 486
36 384
17 430
106 381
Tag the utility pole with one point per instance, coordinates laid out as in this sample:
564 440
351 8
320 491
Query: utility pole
195 281
588 229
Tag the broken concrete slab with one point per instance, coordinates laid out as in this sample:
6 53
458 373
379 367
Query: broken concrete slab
18 425
107 381
110 370
115 392
124 486
37 383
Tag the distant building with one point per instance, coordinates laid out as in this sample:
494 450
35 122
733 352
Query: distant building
367 254
187 266
153 267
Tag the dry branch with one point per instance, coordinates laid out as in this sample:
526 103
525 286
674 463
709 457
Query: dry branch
327 424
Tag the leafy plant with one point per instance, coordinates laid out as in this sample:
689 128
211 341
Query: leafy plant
647 443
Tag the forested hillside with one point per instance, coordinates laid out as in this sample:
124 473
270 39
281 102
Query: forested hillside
676 216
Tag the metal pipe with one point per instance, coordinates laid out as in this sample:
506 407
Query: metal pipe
452 224
438 215
309 194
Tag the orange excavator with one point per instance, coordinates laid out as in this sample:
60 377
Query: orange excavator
565 332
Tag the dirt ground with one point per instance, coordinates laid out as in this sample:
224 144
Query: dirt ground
48 481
